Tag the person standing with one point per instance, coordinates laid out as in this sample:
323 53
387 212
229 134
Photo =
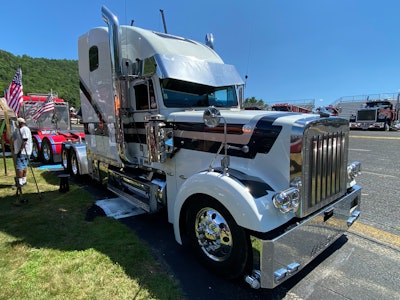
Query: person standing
22 139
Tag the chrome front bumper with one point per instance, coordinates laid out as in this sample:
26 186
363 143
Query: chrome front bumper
365 126
283 256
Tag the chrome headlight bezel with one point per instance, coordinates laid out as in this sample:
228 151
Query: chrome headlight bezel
287 200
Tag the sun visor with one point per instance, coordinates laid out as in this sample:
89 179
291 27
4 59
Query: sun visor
198 71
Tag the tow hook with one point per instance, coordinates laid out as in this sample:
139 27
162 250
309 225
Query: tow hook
254 279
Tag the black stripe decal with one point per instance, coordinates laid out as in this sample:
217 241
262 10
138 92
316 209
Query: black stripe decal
262 140
264 137
101 127
201 127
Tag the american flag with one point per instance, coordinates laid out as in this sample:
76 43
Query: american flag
32 109
14 92
48 105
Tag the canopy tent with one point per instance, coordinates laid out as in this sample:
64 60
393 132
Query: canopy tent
8 119
6 110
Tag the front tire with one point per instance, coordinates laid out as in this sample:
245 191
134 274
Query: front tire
387 126
219 243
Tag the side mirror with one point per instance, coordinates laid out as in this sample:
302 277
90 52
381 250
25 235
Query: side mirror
211 117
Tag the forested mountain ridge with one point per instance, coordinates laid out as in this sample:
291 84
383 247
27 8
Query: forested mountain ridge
42 75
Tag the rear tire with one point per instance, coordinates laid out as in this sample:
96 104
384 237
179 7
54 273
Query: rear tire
74 165
35 150
64 160
47 152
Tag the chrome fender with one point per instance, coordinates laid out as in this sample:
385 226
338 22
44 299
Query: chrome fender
38 140
248 212
80 150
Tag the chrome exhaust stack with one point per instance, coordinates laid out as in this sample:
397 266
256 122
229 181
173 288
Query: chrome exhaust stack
118 84
114 35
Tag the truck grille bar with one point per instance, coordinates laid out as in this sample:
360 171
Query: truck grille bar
324 167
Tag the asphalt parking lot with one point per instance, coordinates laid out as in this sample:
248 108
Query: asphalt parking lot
363 264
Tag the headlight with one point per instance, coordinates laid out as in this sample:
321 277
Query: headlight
287 200
353 170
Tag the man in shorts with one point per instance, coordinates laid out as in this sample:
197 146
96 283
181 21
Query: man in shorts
23 149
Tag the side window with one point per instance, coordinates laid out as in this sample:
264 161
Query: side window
141 96
153 103
144 95
93 58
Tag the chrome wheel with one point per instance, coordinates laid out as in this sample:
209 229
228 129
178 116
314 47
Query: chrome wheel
47 152
74 164
213 234
64 159
215 238
35 151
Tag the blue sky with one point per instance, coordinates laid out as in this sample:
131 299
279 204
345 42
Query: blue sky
290 49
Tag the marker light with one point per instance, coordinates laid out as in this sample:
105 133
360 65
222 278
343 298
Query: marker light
353 170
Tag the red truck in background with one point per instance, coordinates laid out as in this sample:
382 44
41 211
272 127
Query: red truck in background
290 107
51 129
330 110
376 114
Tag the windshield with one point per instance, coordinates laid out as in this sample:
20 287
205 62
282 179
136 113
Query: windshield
177 93
55 119
373 104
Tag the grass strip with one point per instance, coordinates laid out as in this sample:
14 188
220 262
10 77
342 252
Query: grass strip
49 251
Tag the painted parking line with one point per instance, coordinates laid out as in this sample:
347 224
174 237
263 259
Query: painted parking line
376 234
361 150
380 174
375 137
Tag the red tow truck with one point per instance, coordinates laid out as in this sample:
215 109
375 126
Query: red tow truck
376 114
51 129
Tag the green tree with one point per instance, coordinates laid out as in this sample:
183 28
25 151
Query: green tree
42 75
253 102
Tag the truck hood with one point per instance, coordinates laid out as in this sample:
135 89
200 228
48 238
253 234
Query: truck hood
246 117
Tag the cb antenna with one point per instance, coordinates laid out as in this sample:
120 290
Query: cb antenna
163 19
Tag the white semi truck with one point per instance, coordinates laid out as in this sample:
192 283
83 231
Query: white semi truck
257 194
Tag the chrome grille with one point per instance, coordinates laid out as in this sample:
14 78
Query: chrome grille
324 165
